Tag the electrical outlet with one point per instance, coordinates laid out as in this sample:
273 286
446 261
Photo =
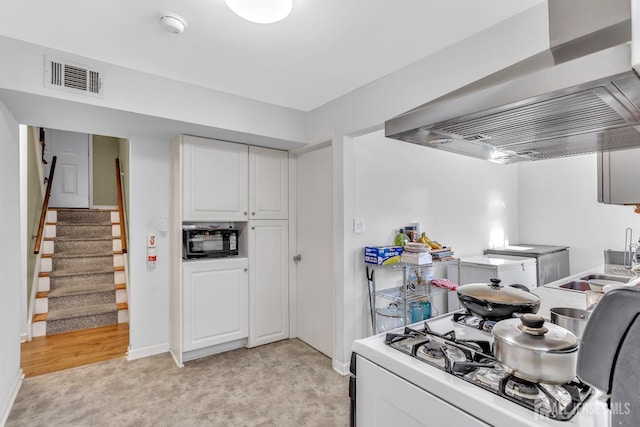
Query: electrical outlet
358 225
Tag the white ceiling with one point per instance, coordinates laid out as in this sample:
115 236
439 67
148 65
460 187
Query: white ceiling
323 50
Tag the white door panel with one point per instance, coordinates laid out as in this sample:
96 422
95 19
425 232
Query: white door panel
70 188
268 183
268 281
215 180
314 240
216 301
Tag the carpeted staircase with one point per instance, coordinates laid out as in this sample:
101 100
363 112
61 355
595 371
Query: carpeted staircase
81 282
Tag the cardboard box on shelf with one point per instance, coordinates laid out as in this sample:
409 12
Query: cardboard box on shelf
382 254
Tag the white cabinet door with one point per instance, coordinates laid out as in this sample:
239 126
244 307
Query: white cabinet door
216 301
215 180
268 281
268 183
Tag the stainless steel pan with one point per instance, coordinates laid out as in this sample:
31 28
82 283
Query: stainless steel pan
534 350
496 302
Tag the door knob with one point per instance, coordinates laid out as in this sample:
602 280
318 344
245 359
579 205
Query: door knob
297 258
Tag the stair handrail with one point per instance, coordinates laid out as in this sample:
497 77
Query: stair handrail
45 206
123 227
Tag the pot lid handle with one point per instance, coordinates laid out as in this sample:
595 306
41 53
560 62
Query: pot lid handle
532 324
495 283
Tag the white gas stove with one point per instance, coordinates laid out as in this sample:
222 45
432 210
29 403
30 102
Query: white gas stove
404 378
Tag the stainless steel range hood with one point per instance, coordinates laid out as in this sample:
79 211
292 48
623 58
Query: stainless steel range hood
580 96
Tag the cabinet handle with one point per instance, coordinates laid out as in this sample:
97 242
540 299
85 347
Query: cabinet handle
253 228
244 213
253 213
246 269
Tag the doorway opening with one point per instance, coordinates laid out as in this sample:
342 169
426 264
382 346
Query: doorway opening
75 216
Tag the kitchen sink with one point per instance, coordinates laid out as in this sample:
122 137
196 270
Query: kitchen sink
577 285
594 282
605 278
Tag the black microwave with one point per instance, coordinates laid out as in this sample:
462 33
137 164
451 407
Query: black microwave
202 241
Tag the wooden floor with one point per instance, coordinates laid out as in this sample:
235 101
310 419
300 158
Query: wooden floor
54 353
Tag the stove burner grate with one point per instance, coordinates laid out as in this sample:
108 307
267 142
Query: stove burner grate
473 321
473 362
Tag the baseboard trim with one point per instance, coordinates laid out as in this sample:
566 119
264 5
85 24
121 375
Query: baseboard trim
12 398
176 359
341 368
141 353
214 349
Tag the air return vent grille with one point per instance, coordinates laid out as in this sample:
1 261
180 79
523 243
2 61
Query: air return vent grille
73 78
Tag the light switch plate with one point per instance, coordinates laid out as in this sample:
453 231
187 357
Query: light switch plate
358 225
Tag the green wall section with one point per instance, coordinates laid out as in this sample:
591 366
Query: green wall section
105 151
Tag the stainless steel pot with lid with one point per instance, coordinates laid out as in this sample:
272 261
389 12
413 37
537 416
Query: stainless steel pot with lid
534 350
573 319
495 301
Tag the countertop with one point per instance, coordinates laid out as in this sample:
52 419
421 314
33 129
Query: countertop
551 295
523 249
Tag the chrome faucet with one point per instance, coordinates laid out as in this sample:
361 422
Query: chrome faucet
634 253
632 249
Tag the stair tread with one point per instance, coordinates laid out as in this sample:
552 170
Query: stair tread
84 311
72 254
83 238
73 290
83 223
68 273
82 209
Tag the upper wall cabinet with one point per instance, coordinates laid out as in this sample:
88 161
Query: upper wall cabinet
215 185
225 181
618 176
268 183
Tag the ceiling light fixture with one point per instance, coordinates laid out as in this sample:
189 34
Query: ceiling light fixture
173 23
261 11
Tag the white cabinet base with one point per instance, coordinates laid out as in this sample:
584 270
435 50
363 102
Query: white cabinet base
215 349
216 301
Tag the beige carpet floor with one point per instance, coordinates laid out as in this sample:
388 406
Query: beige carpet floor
287 383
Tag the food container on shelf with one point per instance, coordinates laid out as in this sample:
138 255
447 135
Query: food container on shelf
388 318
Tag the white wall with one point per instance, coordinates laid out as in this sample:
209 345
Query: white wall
149 191
11 306
558 204
366 109
137 103
460 201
